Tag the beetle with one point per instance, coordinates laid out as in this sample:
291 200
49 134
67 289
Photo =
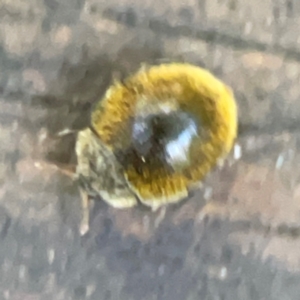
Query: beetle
154 137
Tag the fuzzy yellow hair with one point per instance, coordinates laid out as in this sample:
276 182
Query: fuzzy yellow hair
196 91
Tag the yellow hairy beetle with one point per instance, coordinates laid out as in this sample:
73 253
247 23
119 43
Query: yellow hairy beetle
155 136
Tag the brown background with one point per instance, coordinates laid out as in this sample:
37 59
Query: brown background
236 239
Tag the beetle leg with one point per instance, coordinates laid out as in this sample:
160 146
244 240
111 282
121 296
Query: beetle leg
66 169
84 225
